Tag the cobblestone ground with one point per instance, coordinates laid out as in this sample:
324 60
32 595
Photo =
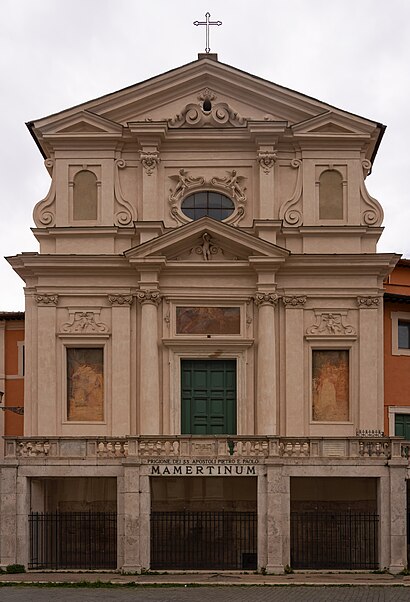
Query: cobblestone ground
203 594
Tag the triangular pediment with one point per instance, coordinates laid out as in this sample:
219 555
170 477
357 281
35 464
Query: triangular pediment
206 240
82 123
163 97
333 125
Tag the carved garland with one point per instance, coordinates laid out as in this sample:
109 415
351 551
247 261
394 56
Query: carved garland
46 299
84 322
120 300
368 302
294 301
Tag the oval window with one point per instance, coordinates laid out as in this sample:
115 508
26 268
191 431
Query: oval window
207 203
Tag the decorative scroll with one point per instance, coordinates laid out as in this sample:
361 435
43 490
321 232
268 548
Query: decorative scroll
147 296
46 299
294 301
266 160
368 302
84 322
330 324
219 115
288 211
373 216
44 211
330 385
149 161
127 214
120 299
208 320
266 299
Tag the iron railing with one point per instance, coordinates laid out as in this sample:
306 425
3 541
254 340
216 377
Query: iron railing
73 540
334 540
204 540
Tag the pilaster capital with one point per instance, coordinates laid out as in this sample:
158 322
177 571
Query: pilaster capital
294 301
149 161
149 296
266 160
120 299
270 299
46 300
368 302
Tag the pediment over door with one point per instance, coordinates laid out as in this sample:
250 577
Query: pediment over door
206 241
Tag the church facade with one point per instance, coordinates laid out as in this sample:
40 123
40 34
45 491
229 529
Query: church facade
204 337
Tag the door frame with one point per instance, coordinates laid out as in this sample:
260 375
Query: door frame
203 351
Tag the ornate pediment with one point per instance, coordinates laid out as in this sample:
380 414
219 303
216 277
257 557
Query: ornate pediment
205 240
333 124
82 124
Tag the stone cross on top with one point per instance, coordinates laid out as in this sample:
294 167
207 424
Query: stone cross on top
207 23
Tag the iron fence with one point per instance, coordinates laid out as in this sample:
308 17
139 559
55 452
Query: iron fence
73 540
334 540
204 540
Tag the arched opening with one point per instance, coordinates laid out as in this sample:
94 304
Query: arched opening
85 203
331 195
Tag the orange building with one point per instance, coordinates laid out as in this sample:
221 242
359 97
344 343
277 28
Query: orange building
12 371
397 350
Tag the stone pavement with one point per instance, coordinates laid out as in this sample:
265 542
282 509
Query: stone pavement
212 578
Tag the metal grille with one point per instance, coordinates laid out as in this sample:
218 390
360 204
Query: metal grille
203 540
330 540
73 540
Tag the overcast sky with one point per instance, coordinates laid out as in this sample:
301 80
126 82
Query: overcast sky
354 54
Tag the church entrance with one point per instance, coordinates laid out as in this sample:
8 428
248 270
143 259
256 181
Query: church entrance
208 397
203 523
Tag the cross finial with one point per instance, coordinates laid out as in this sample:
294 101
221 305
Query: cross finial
207 24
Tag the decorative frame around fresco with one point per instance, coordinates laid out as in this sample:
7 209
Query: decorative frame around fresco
208 320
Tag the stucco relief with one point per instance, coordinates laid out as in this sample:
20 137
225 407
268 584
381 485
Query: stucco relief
266 160
294 301
266 299
149 296
149 161
329 323
291 210
197 115
44 211
368 302
126 214
120 299
84 322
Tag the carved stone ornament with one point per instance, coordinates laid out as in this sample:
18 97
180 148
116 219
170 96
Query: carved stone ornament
149 161
207 249
46 299
294 301
146 296
199 115
266 160
290 211
206 94
44 211
231 184
120 299
368 302
266 299
330 324
84 322
373 214
127 214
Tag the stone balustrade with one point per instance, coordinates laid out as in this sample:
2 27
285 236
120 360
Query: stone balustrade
144 448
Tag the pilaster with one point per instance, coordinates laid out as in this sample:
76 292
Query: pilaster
266 400
131 520
294 361
46 363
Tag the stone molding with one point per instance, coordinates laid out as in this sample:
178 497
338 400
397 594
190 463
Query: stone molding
330 323
120 299
368 302
149 160
266 299
294 301
46 299
84 322
149 296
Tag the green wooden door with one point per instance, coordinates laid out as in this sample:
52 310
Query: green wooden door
208 391
402 425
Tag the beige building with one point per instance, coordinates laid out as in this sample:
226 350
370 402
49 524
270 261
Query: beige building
204 337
